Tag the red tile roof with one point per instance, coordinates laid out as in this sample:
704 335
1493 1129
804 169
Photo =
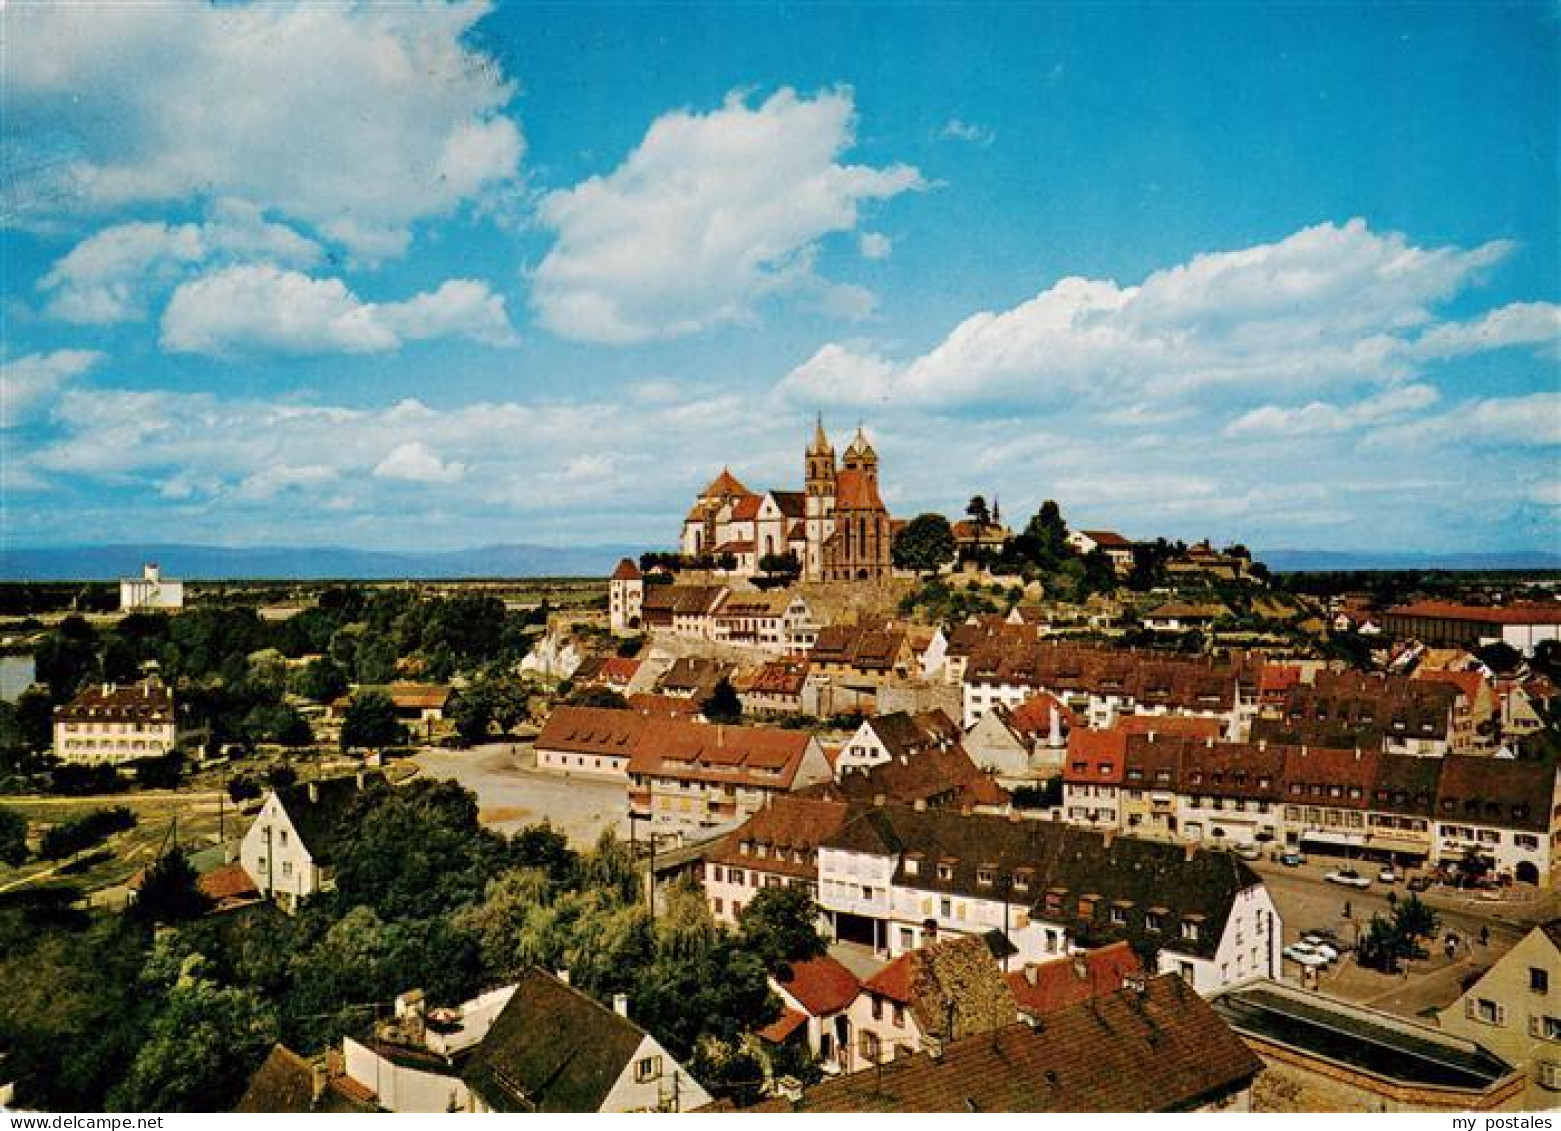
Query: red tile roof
690 751
1102 754
1063 982
227 882
783 1026
1483 614
789 827
1161 1048
746 509
725 485
132 703
1108 539
893 981
821 985
626 571
1034 715
1192 726
856 491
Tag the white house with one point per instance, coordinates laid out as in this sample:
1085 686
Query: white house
287 850
554 1049
150 591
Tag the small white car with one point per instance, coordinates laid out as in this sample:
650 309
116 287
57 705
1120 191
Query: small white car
1305 955
1320 945
1388 876
1348 877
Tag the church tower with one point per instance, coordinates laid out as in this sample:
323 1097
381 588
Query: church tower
820 507
861 457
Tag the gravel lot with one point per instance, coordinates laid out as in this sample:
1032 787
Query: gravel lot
512 793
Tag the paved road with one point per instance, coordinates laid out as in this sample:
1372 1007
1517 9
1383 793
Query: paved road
512 792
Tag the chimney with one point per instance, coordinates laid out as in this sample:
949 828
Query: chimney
620 1004
563 976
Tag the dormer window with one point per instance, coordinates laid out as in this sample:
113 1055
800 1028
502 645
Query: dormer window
1190 931
985 877
945 872
1106 769
912 867
1022 881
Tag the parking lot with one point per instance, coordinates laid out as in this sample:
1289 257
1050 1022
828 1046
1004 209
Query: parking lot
512 793
1306 902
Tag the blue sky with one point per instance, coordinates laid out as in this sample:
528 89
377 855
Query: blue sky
449 275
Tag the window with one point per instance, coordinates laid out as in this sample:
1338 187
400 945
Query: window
1190 931
1185 970
717 905
1483 1009
715 873
1550 1075
877 1008
1544 1028
647 1068
1119 916
1154 921
287 868
945 871
1538 980
899 1015
913 867
735 875
869 1046
945 908
984 876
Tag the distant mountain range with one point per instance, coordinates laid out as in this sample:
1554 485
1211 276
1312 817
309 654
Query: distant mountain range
1288 561
298 563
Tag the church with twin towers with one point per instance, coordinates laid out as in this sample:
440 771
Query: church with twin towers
837 526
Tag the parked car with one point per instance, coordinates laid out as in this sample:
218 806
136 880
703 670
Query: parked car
1388 876
1321 946
1348 877
1248 851
1292 860
1306 955
1420 883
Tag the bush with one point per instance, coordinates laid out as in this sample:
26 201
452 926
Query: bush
80 781
70 837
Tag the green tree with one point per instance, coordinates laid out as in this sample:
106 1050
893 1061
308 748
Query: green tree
1414 919
370 721
321 680
414 851
472 713
170 892
780 925
1100 573
201 1047
925 544
979 513
723 704
13 837
1050 536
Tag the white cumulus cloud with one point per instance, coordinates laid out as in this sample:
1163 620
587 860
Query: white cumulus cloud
359 119
1329 303
28 384
415 462
263 308
709 215
1320 417
109 276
